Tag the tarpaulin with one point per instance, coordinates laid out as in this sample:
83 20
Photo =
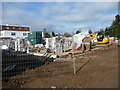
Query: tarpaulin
77 38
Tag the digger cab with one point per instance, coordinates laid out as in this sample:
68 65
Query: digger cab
102 39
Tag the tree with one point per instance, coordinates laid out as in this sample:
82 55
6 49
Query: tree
53 34
107 31
90 31
114 29
66 34
46 35
101 32
78 31
44 30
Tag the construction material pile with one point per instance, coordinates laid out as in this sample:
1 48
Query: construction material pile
17 44
58 44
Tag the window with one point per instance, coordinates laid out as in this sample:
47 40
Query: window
1 34
26 28
6 27
24 34
13 33
19 28
13 27
0 27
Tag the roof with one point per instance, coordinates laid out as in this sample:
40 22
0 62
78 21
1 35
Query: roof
14 25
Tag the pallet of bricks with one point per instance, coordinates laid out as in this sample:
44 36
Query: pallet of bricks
86 45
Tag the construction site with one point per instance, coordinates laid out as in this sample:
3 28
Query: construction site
85 60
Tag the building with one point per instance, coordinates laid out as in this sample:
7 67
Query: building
36 37
14 31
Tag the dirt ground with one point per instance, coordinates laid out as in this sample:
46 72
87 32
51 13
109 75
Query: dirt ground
94 69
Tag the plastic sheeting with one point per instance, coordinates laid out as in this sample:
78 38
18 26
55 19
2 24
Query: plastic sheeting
77 38
5 47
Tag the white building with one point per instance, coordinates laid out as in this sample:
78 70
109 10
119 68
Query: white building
14 31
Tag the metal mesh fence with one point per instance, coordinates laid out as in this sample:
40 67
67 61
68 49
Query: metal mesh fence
0 69
14 63
19 68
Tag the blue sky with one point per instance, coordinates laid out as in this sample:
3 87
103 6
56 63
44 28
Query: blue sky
60 17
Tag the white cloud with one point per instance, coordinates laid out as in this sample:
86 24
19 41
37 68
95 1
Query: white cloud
56 15
45 12
105 18
61 8
15 15
0 12
60 0
81 26
69 18
78 12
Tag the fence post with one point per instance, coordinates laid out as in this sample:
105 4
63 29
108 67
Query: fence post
73 56
74 68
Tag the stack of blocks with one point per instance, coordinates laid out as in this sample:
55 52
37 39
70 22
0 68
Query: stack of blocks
86 45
